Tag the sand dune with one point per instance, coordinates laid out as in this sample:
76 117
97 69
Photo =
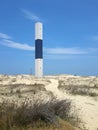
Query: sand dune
83 91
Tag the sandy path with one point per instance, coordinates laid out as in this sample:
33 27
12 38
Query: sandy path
89 111
53 87
87 106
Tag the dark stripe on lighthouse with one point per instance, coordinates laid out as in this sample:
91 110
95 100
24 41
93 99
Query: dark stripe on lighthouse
38 49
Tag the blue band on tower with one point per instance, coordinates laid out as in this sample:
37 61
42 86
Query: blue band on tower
38 49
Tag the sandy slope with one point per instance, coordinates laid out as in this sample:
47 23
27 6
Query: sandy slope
87 106
53 87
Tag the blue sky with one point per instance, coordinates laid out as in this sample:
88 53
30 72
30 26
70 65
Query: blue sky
70 36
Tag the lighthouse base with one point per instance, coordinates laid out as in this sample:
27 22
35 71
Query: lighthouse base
39 68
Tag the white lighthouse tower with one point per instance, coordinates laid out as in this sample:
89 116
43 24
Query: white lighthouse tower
38 50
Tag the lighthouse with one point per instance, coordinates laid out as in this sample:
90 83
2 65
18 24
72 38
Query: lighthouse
38 50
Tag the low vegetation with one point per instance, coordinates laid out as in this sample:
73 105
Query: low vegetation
12 89
51 115
79 90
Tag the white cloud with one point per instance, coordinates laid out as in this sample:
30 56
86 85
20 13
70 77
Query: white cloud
16 45
49 51
4 36
60 57
95 38
52 51
65 51
6 40
30 15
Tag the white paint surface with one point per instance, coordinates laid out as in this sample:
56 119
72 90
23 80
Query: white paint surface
38 31
38 68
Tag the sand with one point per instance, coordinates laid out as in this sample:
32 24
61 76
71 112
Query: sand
86 106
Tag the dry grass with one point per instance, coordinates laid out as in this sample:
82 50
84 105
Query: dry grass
79 90
36 116
63 125
19 89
